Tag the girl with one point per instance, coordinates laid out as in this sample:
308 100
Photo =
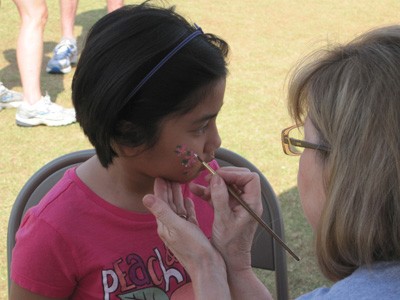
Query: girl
147 90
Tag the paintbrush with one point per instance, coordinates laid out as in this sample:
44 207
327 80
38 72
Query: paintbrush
231 190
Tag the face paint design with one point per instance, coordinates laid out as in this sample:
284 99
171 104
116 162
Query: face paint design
187 156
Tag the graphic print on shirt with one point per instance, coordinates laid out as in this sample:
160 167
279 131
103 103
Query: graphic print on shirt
133 277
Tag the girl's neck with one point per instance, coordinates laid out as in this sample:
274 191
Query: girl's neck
115 185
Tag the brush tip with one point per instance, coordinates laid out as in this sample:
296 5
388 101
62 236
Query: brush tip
198 157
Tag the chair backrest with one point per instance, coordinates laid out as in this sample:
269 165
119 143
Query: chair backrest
266 254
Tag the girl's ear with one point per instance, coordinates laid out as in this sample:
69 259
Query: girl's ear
127 151
136 135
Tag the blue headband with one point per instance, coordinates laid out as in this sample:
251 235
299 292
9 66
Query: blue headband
165 59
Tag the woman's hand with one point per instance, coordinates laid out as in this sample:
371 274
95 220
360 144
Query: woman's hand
234 227
177 225
226 273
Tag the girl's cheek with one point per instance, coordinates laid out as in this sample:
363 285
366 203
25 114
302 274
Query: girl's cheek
186 156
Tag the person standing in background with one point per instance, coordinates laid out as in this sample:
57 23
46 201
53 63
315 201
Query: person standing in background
9 98
65 53
35 108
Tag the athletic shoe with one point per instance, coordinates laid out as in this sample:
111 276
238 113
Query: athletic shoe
44 112
65 55
8 98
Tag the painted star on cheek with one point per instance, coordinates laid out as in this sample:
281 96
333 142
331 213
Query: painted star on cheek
188 159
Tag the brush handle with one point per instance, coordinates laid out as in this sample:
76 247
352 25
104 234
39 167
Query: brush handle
262 223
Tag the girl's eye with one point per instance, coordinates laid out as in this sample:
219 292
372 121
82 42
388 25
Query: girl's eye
202 129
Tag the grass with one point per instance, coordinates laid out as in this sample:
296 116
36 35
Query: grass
267 37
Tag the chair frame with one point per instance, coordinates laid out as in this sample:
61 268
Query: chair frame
266 253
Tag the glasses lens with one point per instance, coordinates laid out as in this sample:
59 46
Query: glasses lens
296 135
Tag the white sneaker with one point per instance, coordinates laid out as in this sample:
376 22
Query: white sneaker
65 54
8 98
44 112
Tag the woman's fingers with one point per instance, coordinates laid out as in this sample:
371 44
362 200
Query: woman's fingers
178 201
219 195
191 212
200 191
240 177
171 193
161 189
163 213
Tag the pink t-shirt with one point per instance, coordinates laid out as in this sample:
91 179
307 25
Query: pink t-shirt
75 244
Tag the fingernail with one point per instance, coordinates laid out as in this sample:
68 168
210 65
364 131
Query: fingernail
149 200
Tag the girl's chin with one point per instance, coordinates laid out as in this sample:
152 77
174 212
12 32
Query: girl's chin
191 173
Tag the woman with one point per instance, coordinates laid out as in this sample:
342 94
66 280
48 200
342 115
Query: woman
348 99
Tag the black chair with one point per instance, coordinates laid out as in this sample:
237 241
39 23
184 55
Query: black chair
266 254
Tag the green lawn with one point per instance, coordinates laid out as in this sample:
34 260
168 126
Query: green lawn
267 37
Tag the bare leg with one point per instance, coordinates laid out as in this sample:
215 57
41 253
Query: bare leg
68 11
65 53
33 15
114 4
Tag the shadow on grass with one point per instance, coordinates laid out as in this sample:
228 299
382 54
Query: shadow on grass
9 75
86 20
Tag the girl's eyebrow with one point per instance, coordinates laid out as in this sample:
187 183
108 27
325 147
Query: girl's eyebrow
205 118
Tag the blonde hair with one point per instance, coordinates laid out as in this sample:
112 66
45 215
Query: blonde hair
351 93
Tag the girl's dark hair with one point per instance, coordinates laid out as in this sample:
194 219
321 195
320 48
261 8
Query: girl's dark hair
121 49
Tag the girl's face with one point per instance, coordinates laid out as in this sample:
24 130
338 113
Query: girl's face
310 178
196 131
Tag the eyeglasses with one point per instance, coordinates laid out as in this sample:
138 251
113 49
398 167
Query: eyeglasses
293 142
